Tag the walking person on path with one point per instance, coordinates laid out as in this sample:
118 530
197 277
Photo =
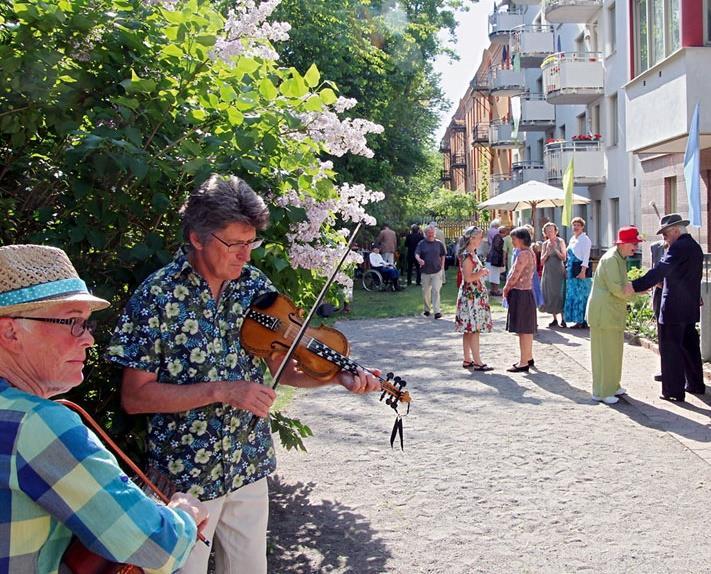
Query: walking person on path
681 270
430 257
553 259
518 292
578 276
411 241
607 314
473 314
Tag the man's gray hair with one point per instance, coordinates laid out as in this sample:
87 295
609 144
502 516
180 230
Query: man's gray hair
220 201
682 229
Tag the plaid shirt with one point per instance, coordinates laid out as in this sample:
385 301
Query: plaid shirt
57 480
172 326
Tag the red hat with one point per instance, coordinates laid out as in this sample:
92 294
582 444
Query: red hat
628 234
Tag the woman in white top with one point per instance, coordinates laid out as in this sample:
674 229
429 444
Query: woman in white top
578 276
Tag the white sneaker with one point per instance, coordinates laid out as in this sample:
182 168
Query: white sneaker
606 400
621 391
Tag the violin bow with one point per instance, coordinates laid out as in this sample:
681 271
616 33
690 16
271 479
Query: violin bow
309 317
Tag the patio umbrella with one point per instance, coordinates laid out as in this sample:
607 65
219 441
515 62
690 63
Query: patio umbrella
531 195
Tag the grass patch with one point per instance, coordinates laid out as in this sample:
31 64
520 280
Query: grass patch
408 302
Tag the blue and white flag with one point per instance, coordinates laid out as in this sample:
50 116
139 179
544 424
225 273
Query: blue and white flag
692 170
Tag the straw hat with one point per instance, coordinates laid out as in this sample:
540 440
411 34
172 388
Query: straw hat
35 276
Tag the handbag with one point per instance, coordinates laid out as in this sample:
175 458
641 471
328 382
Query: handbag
578 266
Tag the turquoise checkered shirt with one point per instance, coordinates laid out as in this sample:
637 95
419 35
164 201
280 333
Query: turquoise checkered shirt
57 480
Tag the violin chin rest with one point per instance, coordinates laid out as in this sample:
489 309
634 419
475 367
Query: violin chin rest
265 300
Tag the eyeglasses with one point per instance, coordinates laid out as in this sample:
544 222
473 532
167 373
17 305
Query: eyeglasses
239 245
79 326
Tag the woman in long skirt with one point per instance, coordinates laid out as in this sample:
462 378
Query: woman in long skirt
553 258
473 312
518 291
578 276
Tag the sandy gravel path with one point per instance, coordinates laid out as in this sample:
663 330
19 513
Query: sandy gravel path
501 472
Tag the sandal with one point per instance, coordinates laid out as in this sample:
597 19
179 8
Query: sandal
483 368
468 364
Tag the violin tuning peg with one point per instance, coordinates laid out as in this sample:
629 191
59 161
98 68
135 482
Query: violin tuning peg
403 384
396 380
390 376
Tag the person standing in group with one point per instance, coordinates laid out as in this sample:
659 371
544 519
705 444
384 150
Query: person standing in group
439 236
430 257
411 241
536 248
518 292
658 249
607 314
495 261
490 234
473 315
578 276
553 259
508 249
387 242
681 270
184 365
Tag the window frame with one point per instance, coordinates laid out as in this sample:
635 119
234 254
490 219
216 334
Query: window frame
667 33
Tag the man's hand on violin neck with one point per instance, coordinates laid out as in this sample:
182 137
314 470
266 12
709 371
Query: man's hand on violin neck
361 383
249 396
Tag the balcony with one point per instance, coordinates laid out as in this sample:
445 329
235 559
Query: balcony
506 81
668 93
588 161
444 147
499 183
501 136
445 175
524 171
501 24
572 78
537 115
457 161
480 135
480 84
532 44
570 11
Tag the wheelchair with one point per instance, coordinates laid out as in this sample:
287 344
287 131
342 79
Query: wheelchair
372 279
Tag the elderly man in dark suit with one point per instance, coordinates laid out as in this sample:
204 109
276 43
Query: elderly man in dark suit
680 270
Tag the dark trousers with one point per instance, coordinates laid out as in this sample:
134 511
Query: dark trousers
412 262
681 359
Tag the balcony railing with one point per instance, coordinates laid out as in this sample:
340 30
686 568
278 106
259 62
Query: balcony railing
445 175
570 11
457 160
480 134
573 78
536 113
588 161
499 183
501 136
501 24
532 44
480 84
523 171
506 81
444 147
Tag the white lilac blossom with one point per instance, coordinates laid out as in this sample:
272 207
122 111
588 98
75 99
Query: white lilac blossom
338 137
247 33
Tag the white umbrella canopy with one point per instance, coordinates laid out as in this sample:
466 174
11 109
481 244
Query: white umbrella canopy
531 195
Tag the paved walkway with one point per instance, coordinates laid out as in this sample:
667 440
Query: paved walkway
502 472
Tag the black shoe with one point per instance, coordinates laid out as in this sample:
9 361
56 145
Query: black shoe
531 363
658 378
426 313
517 369
438 315
694 391
482 368
671 399
563 324
553 323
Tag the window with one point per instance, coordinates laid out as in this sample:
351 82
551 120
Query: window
614 218
582 124
613 132
611 29
670 194
595 119
597 222
656 30
562 131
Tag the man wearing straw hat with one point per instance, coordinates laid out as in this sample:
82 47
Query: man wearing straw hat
56 480
681 270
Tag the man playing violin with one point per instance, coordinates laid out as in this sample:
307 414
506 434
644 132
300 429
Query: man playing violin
183 363
56 479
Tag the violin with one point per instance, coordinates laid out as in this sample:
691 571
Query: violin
273 322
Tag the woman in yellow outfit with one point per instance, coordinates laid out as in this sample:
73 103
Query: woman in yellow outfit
606 314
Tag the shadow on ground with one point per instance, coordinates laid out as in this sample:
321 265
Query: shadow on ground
307 536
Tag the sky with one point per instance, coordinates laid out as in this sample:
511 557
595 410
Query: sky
472 38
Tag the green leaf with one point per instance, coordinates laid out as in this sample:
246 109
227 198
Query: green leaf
206 40
294 87
314 103
312 76
235 116
173 51
194 165
228 94
198 115
328 96
268 90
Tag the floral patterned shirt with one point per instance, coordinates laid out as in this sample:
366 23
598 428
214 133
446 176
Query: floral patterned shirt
173 327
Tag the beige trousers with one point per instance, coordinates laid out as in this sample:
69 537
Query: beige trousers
431 285
237 528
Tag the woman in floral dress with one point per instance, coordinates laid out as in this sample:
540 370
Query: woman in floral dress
473 311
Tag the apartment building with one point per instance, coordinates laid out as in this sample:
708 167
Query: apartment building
557 82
